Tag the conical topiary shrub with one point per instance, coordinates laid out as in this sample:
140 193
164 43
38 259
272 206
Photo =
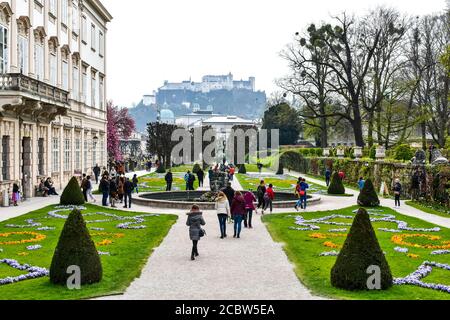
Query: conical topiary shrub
368 196
242 169
161 168
75 248
336 185
361 250
196 168
72 194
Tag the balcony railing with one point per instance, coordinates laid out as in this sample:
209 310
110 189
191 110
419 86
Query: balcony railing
22 83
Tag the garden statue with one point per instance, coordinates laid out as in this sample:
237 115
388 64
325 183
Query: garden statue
437 157
419 159
340 152
358 152
380 153
219 180
326 152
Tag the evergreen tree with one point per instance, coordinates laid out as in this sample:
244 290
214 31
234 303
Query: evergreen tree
368 196
72 194
336 185
361 250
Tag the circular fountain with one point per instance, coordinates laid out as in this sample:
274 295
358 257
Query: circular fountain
205 200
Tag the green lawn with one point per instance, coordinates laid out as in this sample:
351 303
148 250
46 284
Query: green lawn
314 271
155 182
282 183
433 209
128 253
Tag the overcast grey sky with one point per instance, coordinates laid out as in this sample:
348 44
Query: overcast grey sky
150 41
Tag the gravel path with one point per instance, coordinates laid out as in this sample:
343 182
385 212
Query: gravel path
251 268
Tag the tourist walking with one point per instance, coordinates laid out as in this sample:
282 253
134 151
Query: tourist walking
302 193
361 183
229 192
194 222
96 171
260 166
120 190
250 199
89 188
231 173
16 194
260 192
223 212
238 212
84 187
135 184
187 178
169 180
269 196
201 176
397 192
210 174
104 189
112 192
128 188
328 177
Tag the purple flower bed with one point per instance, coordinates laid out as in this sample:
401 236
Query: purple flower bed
33 272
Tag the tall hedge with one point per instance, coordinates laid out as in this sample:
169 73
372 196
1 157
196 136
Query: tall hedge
368 196
75 248
72 194
336 185
161 168
196 168
361 250
242 169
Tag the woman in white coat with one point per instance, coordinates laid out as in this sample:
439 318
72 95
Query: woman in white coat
223 212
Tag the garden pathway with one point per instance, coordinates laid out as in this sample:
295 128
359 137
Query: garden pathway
237 269
333 203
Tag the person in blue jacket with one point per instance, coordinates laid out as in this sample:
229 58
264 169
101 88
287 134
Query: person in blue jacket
303 197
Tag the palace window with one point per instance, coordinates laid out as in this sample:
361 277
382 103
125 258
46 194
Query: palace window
65 69
93 38
78 154
39 55
64 12
41 156
5 158
67 157
84 29
101 92
93 90
85 153
75 17
102 150
101 47
22 45
53 62
3 49
75 79
84 84
55 154
52 7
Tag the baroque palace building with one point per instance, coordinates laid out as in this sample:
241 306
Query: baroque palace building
52 90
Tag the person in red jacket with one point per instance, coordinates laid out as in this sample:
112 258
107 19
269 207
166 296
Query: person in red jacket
250 200
238 212
341 175
268 198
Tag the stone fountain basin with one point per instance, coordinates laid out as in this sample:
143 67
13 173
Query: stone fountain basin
185 200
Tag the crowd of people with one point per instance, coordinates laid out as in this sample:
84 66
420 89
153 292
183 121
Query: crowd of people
118 189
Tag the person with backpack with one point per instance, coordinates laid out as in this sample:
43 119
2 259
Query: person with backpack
397 192
112 192
128 188
104 189
89 188
269 196
187 179
238 212
260 192
169 180
201 177
191 180
250 199
302 193
328 177
194 222
361 183
231 173
16 194
135 183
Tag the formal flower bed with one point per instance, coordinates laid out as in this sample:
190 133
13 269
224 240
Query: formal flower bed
34 245
306 234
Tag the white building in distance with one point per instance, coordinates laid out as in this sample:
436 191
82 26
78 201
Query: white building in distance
52 90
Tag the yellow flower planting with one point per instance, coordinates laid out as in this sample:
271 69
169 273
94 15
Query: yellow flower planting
105 242
413 256
23 254
325 236
401 240
37 237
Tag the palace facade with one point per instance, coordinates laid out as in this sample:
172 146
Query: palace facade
52 90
